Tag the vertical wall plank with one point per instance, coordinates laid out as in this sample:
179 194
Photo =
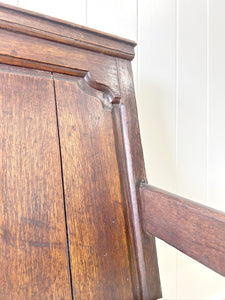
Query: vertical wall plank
216 120
194 280
191 126
157 109
73 11
216 196
192 104
156 89
115 17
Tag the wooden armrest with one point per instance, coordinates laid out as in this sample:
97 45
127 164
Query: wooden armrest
194 229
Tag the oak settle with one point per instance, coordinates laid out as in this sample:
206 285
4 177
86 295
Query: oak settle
77 219
69 220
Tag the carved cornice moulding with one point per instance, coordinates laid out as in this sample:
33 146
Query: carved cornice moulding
49 28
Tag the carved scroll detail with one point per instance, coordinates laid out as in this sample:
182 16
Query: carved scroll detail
101 87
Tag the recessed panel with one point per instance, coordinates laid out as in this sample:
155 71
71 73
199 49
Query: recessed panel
97 233
33 245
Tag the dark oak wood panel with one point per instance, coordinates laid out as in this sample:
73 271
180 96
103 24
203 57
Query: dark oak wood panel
95 209
146 256
33 245
194 229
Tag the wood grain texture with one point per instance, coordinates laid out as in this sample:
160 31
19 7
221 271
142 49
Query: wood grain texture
146 256
99 150
33 52
49 28
125 189
194 229
33 245
96 225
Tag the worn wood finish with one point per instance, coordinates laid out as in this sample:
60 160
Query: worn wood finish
194 229
99 253
121 155
99 151
146 257
72 171
33 245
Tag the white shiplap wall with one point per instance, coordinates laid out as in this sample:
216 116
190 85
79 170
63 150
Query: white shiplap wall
179 73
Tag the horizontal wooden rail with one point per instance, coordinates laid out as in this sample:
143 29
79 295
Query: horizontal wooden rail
194 229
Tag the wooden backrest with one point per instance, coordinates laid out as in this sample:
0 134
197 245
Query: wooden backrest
74 220
71 161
